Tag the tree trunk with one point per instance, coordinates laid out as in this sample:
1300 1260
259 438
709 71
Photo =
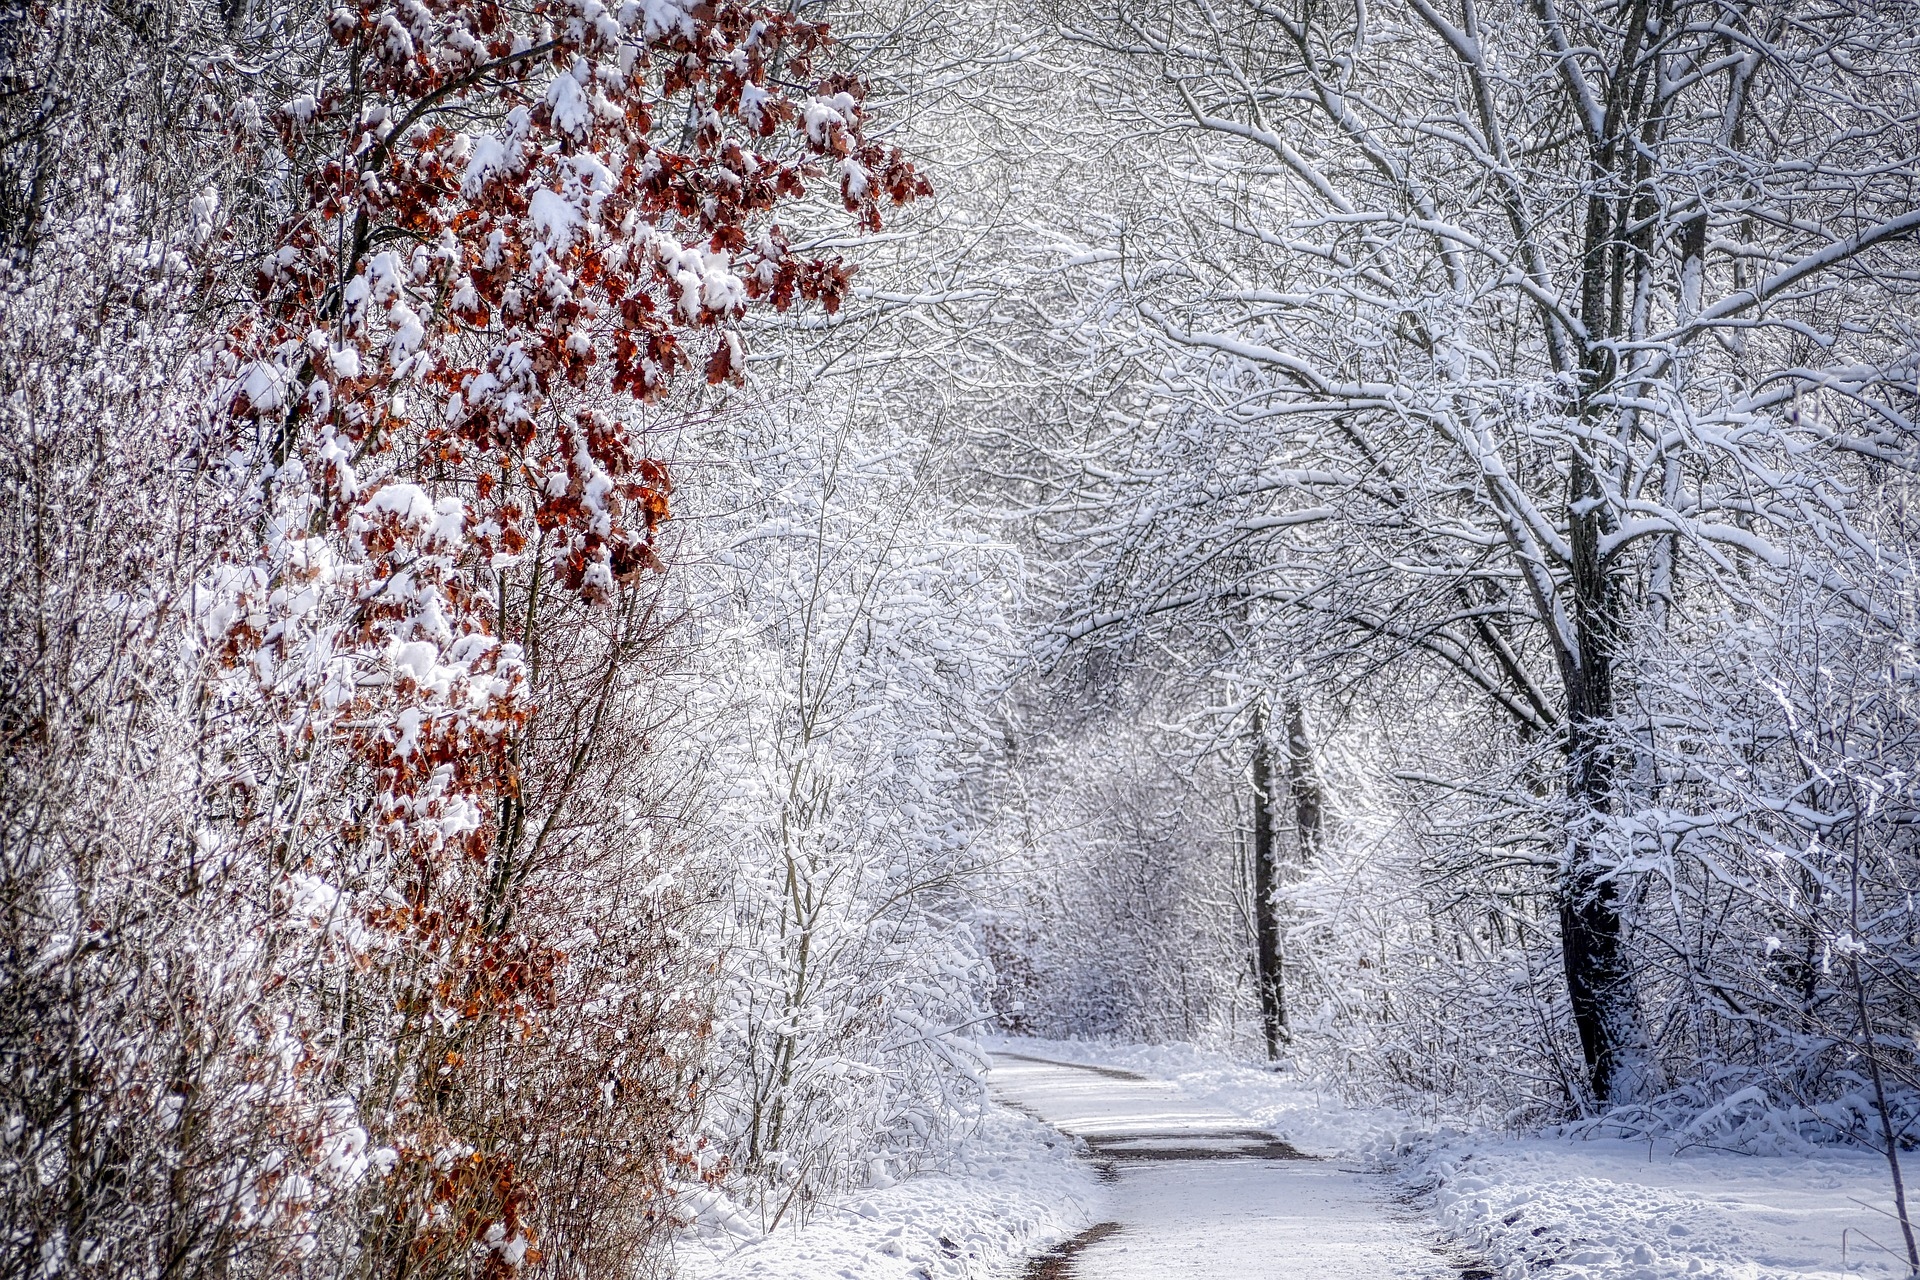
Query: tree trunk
1266 912
1309 804
1600 978
1601 986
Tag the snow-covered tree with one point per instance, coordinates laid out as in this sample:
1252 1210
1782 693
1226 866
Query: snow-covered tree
857 639
342 928
1489 335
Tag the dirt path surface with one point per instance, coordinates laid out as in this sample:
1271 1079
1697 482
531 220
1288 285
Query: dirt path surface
1198 1193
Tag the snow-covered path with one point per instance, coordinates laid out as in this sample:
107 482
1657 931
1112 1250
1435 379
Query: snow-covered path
1199 1192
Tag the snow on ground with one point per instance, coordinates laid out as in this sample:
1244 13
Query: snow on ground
1558 1208
1541 1208
1193 1194
1316 1122
1099 1103
1624 1210
1009 1188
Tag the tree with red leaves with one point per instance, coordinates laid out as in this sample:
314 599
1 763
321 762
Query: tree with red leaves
515 227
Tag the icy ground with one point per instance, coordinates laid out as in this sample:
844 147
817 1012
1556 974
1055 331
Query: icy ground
1522 1208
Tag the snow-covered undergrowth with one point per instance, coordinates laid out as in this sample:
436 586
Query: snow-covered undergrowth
1565 1207
1005 1189
1614 1209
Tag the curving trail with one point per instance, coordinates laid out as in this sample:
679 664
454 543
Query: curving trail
1196 1192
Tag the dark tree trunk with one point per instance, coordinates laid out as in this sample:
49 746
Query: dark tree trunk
1600 977
1268 974
1601 986
1309 805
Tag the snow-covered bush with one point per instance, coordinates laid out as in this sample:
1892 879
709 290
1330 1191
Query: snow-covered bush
852 644
344 934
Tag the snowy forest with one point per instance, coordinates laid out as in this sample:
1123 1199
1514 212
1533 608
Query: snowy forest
598 597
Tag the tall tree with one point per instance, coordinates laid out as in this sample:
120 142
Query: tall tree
1269 948
1510 330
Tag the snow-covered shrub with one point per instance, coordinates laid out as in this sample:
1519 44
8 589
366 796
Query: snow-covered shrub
1118 902
344 934
852 645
